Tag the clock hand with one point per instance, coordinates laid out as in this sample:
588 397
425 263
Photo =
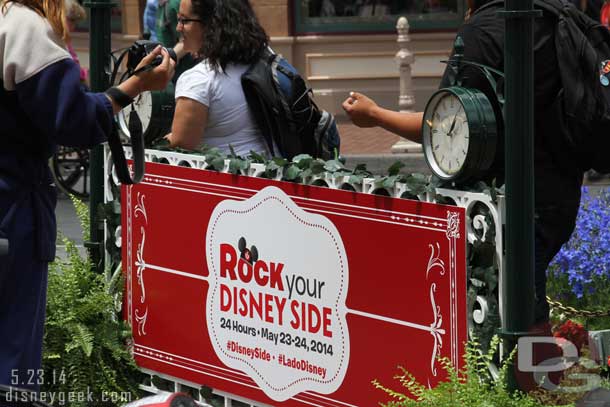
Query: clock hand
450 133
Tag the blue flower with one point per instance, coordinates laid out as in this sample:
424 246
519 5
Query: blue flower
587 254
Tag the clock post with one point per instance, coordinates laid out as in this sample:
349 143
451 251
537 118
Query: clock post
518 279
99 45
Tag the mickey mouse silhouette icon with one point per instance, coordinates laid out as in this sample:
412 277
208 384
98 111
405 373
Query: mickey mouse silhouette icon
250 255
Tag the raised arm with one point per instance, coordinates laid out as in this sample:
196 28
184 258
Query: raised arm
364 112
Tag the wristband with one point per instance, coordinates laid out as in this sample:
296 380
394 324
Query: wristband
120 97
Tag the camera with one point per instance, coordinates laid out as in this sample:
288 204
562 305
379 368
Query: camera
140 49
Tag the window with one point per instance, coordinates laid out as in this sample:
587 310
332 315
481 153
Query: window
350 16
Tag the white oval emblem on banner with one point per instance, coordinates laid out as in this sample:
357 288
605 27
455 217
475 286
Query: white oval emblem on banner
276 302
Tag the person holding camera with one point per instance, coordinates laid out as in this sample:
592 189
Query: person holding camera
42 105
211 107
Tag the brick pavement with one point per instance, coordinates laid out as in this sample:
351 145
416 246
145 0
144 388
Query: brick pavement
355 140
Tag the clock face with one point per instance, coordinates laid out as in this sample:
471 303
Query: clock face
446 134
143 105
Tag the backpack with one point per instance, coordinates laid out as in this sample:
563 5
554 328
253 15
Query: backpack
577 123
283 108
581 111
583 105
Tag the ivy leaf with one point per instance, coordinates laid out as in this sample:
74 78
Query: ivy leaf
297 158
333 166
379 182
417 183
395 168
502 189
317 167
237 164
232 152
355 179
280 162
306 173
256 157
272 166
217 163
388 182
360 167
361 170
292 173
271 169
302 160
213 151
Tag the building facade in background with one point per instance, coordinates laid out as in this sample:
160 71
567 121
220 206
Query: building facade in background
338 45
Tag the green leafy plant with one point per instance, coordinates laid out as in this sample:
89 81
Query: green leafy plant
471 386
85 350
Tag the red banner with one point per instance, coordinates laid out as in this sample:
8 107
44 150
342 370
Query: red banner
288 294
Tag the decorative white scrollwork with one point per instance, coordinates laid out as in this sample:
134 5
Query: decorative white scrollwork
480 315
141 265
140 208
141 320
478 223
118 234
435 331
453 225
435 260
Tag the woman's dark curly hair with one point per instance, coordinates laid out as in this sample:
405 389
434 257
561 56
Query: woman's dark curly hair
232 33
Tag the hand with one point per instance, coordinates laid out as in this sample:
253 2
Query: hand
168 137
361 110
157 78
179 50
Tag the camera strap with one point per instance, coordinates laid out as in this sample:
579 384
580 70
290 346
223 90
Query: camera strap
135 134
137 147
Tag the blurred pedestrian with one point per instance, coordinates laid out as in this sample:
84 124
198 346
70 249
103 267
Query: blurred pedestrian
74 14
149 20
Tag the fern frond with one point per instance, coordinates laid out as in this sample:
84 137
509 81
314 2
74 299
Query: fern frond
388 391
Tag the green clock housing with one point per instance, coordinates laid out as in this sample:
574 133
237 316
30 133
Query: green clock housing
460 131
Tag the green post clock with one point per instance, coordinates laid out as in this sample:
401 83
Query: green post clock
156 112
459 129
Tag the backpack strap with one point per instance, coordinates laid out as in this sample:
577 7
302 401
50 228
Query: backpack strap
255 82
493 3
555 7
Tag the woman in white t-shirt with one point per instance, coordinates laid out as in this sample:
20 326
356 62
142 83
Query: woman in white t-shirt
211 109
